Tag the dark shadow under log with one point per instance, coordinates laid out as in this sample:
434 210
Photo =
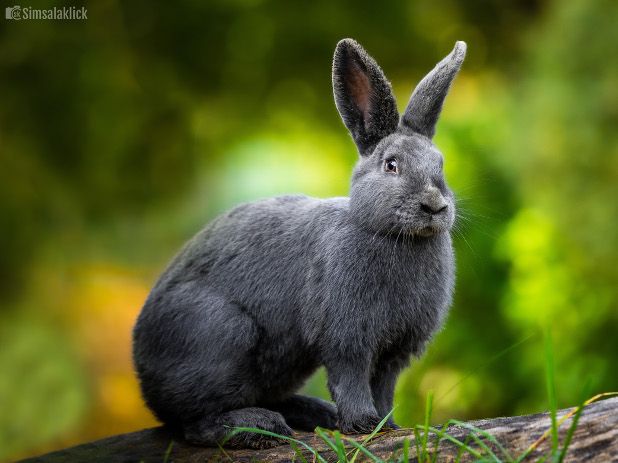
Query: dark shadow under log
596 439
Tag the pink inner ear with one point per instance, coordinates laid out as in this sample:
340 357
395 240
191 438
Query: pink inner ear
359 88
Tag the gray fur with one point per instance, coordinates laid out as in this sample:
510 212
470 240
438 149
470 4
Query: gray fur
354 69
271 290
426 101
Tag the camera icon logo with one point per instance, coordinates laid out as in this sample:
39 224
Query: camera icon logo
13 12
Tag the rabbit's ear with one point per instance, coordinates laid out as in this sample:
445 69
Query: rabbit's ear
425 105
363 96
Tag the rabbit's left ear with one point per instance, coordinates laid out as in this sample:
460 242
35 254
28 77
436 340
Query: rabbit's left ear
363 96
425 105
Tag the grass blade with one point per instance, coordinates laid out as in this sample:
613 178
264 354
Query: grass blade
366 440
341 453
428 412
551 389
570 432
406 451
362 449
472 435
485 447
222 450
168 452
322 434
436 448
313 451
491 438
378 427
458 443
298 452
460 451
574 423
417 443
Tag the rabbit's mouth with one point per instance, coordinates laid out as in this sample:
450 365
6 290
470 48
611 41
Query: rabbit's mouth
432 228
423 228
427 231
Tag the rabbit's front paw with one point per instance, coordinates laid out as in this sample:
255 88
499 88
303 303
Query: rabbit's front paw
361 424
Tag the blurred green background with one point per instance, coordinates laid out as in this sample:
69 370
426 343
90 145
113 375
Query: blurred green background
121 135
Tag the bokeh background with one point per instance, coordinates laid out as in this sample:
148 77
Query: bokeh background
122 135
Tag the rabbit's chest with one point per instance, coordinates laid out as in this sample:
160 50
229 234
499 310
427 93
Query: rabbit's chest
383 295
409 298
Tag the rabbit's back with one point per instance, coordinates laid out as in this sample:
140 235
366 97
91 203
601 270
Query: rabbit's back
258 254
262 250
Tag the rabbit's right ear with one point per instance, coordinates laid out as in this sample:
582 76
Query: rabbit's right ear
363 96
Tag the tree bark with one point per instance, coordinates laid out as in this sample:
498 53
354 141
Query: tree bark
596 439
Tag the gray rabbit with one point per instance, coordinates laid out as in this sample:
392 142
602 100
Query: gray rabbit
273 289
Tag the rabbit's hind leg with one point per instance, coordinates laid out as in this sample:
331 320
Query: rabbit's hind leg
212 431
306 413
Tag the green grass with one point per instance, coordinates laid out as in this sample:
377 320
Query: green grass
478 443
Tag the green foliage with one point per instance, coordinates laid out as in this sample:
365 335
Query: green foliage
44 396
563 241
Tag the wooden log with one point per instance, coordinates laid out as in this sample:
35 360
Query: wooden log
596 439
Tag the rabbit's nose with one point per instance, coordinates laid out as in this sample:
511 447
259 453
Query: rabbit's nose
434 208
433 202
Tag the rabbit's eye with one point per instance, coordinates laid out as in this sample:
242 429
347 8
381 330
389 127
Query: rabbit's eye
390 166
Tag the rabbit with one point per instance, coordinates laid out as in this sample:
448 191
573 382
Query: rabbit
273 289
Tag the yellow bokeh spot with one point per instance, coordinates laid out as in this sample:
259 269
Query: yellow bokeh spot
119 395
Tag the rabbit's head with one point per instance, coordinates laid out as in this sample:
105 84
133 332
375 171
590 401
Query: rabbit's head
398 184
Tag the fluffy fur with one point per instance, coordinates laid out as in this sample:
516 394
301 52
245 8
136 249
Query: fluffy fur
271 290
